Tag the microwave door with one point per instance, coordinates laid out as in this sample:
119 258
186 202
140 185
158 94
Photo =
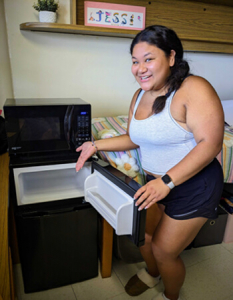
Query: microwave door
67 122
111 193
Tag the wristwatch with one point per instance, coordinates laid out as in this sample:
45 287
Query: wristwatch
167 180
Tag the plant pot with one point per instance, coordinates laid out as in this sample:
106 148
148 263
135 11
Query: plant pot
47 16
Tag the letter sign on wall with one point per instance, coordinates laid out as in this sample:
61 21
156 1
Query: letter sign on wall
114 15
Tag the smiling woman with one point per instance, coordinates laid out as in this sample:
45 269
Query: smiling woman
174 134
179 141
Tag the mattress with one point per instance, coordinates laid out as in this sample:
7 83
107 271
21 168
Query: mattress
129 162
225 157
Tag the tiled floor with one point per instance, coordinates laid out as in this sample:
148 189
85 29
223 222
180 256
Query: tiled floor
209 277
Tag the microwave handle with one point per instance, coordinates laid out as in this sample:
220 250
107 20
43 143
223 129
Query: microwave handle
67 122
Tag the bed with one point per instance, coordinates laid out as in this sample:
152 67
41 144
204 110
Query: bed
225 157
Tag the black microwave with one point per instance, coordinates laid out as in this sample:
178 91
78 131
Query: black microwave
44 127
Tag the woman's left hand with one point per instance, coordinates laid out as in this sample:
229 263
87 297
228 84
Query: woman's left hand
151 193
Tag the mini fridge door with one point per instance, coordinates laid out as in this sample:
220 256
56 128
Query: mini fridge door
111 193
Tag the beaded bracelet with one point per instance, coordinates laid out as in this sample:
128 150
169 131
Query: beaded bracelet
94 145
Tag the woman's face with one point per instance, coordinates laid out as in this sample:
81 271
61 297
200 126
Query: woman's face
150 66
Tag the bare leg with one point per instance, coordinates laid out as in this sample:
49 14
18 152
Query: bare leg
170 239
154 215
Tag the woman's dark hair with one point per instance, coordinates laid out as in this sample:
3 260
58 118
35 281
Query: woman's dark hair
165 39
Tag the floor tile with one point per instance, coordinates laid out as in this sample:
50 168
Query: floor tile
195 255
62 293
229 247
229 298
98 288
210 279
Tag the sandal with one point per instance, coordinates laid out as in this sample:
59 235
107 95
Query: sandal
140 282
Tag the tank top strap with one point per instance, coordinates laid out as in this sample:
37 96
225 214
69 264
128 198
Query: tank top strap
169 99
139 97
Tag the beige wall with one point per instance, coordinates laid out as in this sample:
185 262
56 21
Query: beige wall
6 90
96 69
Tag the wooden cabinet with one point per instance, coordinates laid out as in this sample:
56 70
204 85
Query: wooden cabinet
203 25
6 272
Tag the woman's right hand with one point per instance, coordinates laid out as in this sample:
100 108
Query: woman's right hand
88 149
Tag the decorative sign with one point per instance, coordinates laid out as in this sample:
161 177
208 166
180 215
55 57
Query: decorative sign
114 15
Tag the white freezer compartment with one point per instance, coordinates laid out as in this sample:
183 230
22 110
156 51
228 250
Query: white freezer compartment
49 183
111 202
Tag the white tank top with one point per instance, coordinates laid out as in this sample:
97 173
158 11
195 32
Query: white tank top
162 141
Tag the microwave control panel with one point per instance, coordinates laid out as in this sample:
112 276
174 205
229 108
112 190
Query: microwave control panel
83 129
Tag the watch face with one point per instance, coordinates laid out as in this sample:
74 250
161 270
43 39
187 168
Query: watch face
166 179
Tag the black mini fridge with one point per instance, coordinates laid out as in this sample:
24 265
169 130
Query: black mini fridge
56 213
57 244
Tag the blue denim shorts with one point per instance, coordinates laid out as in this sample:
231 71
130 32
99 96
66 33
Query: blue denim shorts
199 196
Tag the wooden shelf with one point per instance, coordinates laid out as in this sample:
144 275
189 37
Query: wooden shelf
78 29
190 43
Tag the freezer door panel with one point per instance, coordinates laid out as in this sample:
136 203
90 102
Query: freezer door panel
111 202
111 193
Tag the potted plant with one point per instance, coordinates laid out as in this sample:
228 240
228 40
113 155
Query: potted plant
47 10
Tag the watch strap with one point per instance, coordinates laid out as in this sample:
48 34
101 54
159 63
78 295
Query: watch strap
171 185
168 181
